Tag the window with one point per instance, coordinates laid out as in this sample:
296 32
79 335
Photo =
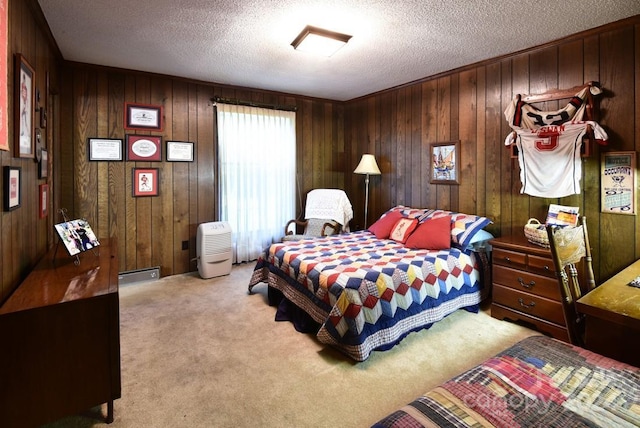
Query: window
257 167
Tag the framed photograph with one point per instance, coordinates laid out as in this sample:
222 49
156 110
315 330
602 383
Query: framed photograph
43 170
142 117
179 151
12 187
144 148
24 108
77 236
105 149
44 200
445 162
618 178
145 182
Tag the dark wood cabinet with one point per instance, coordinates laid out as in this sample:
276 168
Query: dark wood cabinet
525 286
60 339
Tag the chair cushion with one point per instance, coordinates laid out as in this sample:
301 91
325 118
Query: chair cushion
315 226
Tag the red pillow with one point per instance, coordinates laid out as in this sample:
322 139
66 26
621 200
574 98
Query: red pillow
403 228
382 227
433 234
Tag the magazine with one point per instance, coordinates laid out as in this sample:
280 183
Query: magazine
562 215
77 236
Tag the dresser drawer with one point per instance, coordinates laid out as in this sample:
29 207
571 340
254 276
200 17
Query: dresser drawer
527 282
504 257
529 304
541 265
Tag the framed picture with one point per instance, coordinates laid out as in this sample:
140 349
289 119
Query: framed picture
145 182
445 162
618 178
144 148
77 236
12 187
24 108
105 149
43 170
142 117
44 200
179 151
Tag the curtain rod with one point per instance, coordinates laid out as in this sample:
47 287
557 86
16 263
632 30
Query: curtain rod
252 104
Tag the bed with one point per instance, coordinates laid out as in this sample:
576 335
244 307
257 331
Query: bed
538 382
366 290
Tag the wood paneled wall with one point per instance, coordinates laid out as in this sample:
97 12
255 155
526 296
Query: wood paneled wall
467 105
396 125
151 230
24 236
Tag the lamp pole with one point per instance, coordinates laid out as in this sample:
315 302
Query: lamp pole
366 199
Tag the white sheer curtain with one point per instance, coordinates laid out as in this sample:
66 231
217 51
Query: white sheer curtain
257 165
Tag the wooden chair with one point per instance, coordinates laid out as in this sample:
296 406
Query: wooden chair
569 246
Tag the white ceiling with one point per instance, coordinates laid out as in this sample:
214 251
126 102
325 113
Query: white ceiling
248 43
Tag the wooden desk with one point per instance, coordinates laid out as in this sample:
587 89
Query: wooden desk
60 340
613 317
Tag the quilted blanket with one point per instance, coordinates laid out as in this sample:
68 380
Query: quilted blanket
538 382
368 293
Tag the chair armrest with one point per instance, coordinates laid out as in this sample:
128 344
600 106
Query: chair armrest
301 223
335 226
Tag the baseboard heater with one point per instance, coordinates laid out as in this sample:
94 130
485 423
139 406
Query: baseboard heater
139 275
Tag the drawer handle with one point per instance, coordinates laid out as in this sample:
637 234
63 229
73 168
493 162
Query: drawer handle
507 259
524 305
527 286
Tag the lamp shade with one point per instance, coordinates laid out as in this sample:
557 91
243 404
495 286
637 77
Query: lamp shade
367 165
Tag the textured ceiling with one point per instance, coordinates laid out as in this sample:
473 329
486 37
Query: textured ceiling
247 43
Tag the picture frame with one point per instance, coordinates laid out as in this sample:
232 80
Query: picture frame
105 149
179 151
12 187
143 117
24 101
618 183
445 162
43 167
77 236
144 148
44 200
145 181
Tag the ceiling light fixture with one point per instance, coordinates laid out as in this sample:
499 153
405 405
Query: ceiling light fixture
320 41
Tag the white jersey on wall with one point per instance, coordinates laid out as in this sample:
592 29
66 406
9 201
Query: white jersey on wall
549 157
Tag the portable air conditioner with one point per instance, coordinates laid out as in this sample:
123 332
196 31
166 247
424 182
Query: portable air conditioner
213 249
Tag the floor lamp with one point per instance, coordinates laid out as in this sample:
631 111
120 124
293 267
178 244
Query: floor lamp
367 166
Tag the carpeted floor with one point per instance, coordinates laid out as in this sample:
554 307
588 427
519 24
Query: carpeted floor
205 353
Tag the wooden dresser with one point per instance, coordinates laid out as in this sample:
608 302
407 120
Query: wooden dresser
525 286
60 339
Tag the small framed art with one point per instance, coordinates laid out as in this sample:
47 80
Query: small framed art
12 187
44 200
24 108
43 170
144 148
105 149
142 117
445 162
618 183
145 182
179 151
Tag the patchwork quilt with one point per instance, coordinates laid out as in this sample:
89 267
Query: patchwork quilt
368 293
538 382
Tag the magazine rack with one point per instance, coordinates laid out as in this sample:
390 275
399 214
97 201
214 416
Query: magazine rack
77 237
